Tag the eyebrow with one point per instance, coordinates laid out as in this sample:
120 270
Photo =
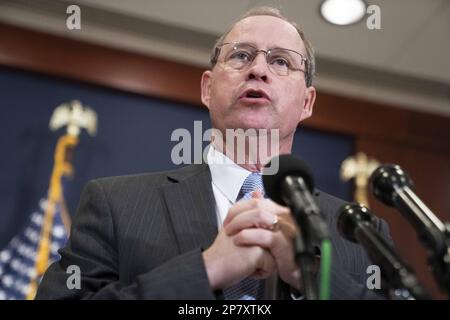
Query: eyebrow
304 56
269 47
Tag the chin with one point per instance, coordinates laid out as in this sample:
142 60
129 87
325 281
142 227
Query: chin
253 124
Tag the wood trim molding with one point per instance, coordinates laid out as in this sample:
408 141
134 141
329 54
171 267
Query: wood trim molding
132 72
142 74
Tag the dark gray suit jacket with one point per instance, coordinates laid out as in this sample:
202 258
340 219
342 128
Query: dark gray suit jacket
142 236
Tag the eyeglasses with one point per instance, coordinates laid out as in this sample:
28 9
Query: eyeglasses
280 61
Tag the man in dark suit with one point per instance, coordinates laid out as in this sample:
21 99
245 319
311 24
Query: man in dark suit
206 231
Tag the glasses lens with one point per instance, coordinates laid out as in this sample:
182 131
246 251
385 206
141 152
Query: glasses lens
280 61
239 55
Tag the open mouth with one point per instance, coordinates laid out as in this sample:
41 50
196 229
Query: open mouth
254 94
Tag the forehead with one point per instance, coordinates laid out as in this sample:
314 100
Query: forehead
266 32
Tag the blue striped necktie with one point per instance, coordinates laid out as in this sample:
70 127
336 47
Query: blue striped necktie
247 289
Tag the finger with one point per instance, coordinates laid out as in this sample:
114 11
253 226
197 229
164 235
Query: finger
287 225
254 218
277 208
266 267
281 249
240 207
257 194
256 237
253 203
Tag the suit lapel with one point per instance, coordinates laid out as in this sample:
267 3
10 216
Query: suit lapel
191 205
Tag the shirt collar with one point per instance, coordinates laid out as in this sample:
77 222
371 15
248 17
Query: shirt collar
226 175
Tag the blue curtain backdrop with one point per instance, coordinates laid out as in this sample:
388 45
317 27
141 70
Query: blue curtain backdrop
133 136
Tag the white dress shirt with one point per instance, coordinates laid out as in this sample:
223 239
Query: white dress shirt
226 179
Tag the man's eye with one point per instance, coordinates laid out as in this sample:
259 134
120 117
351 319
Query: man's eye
280 62
240 55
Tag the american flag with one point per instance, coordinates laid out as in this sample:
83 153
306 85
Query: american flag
18 259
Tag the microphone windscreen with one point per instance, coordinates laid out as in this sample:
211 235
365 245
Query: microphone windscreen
289 165
349 215
385 179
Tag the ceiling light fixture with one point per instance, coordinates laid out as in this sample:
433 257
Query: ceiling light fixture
343 12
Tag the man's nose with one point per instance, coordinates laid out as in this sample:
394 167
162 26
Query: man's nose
258 68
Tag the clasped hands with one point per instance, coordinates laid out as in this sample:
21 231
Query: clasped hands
256 240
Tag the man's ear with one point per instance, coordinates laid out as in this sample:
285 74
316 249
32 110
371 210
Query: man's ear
206 87
308 103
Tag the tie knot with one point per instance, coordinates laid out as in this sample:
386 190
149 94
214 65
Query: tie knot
252 183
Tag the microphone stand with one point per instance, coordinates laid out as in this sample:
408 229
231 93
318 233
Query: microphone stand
436 237
305 259
397 275
357 224
312 231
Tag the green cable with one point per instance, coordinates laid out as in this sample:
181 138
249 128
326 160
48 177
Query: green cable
325 270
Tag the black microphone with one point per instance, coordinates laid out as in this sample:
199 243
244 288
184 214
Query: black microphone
391 185
357 224
293 186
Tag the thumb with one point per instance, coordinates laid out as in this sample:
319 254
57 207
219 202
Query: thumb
257 194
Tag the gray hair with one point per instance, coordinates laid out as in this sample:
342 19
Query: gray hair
273 12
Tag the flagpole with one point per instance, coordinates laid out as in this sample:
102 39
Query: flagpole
61 169
75 117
